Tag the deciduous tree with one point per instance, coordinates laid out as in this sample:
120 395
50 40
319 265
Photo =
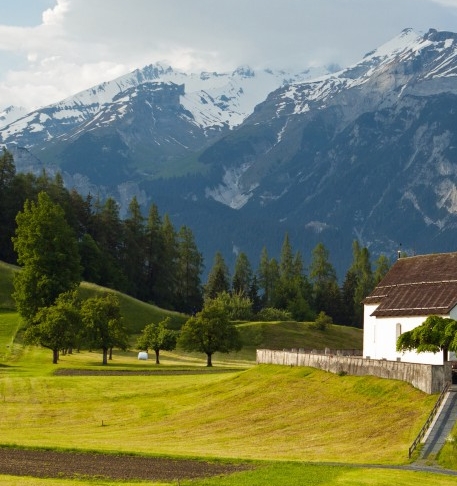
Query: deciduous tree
48 252
237 305
158 337
57 326
103 324
210 331
435 334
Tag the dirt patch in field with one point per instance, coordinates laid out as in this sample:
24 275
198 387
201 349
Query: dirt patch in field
85 372
52 464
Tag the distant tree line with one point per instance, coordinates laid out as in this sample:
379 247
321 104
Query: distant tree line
147 258
281 289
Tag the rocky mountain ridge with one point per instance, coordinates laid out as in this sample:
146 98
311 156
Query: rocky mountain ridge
368 152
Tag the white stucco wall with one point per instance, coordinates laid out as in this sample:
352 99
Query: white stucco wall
380 337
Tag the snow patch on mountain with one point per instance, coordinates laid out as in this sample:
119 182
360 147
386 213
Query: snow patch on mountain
231 192
406 48
11 113
211 99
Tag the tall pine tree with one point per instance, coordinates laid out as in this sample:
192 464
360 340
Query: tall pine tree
218 278
242 275
189 269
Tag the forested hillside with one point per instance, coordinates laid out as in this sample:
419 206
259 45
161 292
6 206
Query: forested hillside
145 256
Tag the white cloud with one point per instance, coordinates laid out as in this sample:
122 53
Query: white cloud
80 43
447 3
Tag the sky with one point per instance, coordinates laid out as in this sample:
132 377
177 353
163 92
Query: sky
52 49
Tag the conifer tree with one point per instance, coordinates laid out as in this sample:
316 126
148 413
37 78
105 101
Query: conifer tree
189 269
133 251
286 262
166 288
242 275
218 278
361 267
382 266
108 234
8 209
154 251
325 285
268 273
347 296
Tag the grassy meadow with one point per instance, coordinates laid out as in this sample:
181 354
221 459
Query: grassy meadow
293 426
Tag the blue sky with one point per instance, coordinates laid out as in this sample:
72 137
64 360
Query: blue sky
51 49
23 12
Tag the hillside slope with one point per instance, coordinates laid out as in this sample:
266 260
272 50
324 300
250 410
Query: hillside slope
266 412
270 335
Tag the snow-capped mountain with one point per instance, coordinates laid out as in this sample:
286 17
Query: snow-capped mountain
410 65
211 100
11 114
368 152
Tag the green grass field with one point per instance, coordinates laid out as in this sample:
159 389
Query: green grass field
295 426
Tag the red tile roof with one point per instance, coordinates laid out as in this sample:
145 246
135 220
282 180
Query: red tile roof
419 285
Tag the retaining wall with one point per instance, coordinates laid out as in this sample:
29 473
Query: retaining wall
428 378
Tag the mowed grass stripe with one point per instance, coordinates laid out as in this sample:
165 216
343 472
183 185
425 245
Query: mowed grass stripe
9 325
267 412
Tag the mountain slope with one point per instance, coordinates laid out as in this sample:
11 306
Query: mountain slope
368 152
211 101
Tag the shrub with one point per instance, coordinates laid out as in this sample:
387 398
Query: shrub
238 307
322 322
273 314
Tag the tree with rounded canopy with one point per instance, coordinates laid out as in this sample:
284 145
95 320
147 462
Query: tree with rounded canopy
158 337
435 334
47 250
237 304
103 324
210 331
56 327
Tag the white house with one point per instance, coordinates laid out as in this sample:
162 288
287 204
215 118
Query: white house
414 288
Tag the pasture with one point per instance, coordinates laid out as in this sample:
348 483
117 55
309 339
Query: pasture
289 425
274 425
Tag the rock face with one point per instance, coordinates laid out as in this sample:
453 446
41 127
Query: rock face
365 153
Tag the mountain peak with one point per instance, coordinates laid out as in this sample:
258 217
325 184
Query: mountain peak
244 71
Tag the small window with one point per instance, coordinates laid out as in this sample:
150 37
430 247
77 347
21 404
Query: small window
398 330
